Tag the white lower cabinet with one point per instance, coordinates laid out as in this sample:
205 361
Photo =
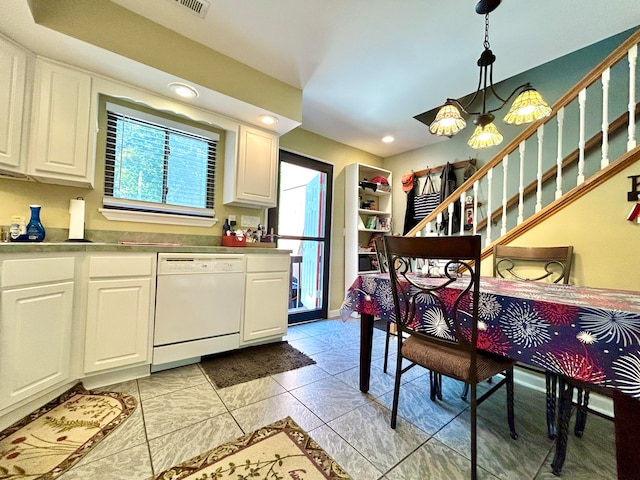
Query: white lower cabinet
35 326
119 321
266 297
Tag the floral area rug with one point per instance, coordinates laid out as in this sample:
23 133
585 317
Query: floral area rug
281 450
46 443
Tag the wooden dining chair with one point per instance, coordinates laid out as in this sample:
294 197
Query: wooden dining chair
566 388
383 268
445 343
539 264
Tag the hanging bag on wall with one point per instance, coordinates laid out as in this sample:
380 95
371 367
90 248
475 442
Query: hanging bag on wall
427 201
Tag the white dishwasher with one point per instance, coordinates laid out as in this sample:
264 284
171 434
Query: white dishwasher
199 299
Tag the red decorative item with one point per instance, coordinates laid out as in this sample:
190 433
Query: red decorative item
234 241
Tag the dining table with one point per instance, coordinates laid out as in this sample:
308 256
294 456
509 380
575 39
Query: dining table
586 335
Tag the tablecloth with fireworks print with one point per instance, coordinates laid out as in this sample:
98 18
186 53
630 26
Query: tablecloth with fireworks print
589 334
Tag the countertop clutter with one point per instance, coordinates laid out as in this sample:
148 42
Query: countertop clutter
160 247
114 241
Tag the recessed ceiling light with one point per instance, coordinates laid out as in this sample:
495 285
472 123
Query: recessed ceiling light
183 90
268 119
388 139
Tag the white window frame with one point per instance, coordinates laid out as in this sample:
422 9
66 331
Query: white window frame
116 208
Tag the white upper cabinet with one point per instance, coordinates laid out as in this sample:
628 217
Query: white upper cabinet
13 76
62 149
251 176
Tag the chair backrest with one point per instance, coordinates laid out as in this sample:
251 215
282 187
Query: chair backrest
382 257
550 264
447 304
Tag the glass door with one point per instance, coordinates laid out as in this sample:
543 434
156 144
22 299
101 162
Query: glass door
301 224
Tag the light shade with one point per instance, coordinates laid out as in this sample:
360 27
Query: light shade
483 137
528 107
448 121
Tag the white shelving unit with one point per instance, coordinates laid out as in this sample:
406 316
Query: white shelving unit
361 223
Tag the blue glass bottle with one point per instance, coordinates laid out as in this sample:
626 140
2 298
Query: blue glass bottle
35 230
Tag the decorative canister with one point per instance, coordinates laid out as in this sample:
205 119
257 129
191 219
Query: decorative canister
35 230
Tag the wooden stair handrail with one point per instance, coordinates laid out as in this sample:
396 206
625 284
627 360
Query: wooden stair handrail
595 180
620 122
567 98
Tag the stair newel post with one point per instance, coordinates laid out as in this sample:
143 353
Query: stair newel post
560 119
582 102
522 151
633 59
462 209
540 133
505 171
476 186
489 209
606 77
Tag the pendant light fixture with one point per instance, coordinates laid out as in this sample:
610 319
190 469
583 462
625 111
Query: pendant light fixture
526 108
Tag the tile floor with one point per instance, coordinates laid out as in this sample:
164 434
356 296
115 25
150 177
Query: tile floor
182 415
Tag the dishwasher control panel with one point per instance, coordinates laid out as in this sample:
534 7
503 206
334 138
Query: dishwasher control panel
188 263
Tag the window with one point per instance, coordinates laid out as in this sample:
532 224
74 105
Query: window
158 164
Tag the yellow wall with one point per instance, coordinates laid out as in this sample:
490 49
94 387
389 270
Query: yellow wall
339 155
149 43
605 243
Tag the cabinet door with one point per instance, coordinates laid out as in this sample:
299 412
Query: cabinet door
60 139
256 170
13 63
118 323
265 308
35 340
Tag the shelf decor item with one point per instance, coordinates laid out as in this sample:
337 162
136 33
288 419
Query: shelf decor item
35 230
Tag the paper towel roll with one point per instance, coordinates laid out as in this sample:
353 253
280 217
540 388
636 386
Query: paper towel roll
76 219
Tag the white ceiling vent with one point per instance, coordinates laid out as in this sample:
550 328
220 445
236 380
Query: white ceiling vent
199 7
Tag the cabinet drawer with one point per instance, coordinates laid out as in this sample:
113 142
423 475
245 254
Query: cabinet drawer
32 271
121 266
267 263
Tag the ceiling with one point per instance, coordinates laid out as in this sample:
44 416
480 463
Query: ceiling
365 67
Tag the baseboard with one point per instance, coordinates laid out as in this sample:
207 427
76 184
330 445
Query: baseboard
535 381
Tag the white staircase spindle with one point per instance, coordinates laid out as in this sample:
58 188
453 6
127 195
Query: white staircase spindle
606 77
476 185
539 174
522 150
463 219
450 221
428 229
560 119
505 168
582 102
487 240
439 223
633 59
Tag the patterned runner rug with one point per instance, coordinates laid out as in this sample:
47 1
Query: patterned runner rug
239 366
52 439
281 450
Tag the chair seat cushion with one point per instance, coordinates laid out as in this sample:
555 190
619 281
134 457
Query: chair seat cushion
452 362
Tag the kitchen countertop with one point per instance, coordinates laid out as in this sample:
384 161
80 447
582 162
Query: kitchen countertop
130 247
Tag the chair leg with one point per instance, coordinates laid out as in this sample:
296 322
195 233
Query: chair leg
510 402
473 408
581 414
396 388
434 387
465 391
386 348
551 383
564 415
